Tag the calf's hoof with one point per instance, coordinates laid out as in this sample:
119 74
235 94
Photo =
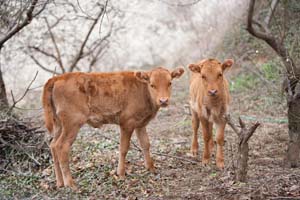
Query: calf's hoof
205 161
220 164
121 174
150 166
59 184
72 185
121 177
151 169
194 152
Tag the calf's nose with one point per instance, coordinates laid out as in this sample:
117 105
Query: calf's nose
212 92
163 101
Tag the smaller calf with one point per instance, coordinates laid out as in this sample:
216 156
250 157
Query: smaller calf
209 99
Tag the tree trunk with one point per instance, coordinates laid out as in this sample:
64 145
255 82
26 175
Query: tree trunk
293 152
242 162
3 97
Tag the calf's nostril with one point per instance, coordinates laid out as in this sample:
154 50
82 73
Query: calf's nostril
163 100
212 92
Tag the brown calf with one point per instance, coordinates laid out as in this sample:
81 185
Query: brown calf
129 99
209 99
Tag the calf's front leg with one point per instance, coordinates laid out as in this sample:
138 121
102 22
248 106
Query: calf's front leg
220 144
207 139
195 124
143 138
123 149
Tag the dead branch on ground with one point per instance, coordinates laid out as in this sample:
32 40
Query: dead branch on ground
136 147
26 146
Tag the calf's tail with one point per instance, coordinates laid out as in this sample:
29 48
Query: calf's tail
48 105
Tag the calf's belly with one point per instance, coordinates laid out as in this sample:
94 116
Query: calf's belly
97 121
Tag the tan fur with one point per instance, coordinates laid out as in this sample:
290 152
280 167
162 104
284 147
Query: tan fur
207 76
128 99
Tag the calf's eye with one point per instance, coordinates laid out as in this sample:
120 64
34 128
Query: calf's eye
219 75
170 84
203 77
153 86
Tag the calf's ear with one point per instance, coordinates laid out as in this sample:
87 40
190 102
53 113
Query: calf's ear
142 76
176 73
227 64
195 68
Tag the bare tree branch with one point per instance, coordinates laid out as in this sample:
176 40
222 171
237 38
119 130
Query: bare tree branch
24 94
279 48
269 16
43 52
93 50
42 8
231 124
96 57
80 52
261 26
42 66
19 27
59 61
83 11
58 20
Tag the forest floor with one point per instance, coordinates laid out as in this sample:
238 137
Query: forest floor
178 175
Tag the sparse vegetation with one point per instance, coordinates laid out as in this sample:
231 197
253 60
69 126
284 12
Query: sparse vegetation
255 85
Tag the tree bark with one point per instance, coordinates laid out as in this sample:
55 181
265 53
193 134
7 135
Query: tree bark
242 162
3 97
293 151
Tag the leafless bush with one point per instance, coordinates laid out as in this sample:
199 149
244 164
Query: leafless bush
23 144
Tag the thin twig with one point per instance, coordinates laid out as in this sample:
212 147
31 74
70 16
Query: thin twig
59 60
80 52
136 147
43 52
24 94
42 66
271 12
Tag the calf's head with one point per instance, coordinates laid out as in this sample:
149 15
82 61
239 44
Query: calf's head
211 72
159 81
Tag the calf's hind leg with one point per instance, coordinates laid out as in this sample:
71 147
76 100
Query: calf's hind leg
57 170
70 128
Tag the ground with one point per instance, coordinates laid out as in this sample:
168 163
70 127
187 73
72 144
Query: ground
178 175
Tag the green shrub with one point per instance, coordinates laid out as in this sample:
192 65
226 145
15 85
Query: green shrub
243 81
270 71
